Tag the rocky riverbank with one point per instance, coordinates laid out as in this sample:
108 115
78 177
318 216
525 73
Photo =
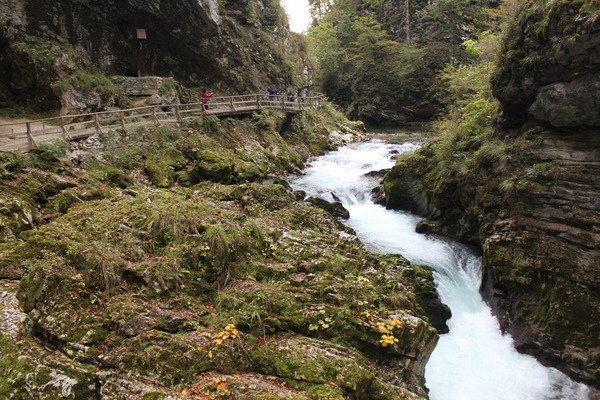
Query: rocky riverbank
527 192
178 265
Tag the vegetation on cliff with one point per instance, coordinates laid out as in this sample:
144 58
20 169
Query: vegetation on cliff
518 182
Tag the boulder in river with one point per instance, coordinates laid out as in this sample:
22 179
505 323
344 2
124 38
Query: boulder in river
334 208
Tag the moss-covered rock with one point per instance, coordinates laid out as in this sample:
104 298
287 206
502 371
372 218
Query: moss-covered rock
172 286
331 370
35 372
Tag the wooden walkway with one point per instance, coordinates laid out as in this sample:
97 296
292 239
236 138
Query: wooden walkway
26 135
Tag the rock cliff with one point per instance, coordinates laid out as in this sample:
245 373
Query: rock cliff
235 46
530 194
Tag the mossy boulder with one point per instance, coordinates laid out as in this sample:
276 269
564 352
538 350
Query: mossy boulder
174 287
28 370
334 208
325 367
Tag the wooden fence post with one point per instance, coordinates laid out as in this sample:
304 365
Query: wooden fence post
64 129
30 143
154 117
122 119
177 115
258 101
231 104
283 102
97 123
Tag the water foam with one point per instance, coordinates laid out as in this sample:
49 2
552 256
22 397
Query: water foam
475 360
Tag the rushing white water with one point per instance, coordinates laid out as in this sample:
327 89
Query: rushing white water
475 360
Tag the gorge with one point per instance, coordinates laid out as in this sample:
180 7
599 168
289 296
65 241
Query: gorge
296 255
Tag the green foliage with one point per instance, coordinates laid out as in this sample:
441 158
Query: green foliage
51 152
87 81
367 65
12 112
41 52
209 125
169 86
11 163
384 69
542 168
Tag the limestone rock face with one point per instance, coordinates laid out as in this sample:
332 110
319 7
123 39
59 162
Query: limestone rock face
537 218
236 46
549 45
569 104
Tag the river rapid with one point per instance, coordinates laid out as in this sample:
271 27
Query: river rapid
475 360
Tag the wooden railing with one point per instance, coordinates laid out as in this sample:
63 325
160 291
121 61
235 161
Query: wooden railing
25 135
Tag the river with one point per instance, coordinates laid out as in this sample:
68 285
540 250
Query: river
474 360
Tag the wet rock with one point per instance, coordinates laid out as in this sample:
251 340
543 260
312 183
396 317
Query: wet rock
405 191
425 226
283 183
300 195
377 174
437 312
334 208
378 196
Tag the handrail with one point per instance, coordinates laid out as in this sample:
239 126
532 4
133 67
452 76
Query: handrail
212 100
76 126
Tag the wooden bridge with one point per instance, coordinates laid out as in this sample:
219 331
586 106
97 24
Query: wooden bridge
26 135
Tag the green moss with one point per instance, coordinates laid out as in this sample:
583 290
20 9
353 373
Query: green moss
84 80
162 166
41 51
168 87
47 377
51 152
153 396
542 168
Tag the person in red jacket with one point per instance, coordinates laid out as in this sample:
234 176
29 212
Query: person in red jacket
206 96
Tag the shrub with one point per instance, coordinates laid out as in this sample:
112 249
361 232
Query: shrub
12 163
51 152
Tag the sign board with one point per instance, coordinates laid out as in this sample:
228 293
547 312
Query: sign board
141 34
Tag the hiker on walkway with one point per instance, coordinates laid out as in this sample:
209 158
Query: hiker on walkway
272 90
206 96
290 96
302 94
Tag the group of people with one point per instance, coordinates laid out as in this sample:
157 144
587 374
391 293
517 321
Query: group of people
271 90
291 95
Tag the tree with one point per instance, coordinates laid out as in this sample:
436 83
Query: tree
386 72
318 8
